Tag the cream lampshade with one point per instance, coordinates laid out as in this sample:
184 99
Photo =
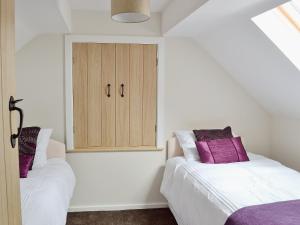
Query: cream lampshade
130 11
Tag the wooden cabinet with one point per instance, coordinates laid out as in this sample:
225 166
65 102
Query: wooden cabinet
114 95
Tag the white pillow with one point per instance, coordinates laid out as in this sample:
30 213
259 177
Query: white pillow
40 158
186 139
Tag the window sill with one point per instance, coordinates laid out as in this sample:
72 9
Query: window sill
116 149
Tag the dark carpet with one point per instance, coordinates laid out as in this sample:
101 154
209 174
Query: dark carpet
130 217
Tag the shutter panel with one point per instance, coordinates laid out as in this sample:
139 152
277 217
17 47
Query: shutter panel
122 103
108 88
80 94
149 95
94 95
136 94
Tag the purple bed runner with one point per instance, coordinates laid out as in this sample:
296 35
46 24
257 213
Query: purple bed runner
279 213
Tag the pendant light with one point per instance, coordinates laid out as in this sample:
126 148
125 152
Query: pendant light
130 11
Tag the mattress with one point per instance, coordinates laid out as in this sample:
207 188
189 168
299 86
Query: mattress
208 194
46 194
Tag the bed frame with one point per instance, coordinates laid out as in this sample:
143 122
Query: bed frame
174 148
56 150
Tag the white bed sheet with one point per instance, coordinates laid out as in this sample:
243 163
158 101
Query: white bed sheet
207 194
46 194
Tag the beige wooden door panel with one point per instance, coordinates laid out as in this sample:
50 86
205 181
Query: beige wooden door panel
80 94
3 197
94 95
9 164
122 95
108 95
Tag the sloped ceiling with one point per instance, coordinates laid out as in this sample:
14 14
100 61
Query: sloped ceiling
225 30
34 17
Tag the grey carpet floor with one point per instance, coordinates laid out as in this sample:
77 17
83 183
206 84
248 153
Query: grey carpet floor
130 217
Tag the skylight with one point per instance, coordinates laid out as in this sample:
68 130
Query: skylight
282 26
291 12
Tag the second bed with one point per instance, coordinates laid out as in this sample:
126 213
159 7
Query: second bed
208 194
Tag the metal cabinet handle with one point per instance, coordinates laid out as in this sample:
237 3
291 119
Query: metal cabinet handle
12 107
122 90
108 90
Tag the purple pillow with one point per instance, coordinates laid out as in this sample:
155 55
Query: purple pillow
28 141
25 163
207 135
226 150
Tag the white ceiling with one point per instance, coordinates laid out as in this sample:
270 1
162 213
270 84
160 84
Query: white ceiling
104 5
225 30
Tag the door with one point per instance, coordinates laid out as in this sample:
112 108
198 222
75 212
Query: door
9 165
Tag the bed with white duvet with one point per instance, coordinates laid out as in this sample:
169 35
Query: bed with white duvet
208 194
47 191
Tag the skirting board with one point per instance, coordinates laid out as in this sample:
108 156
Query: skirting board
93 208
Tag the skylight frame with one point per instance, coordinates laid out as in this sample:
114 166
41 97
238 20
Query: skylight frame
291 12
281 31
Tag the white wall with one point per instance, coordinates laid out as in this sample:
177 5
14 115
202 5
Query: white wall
198 93
40 81
286 141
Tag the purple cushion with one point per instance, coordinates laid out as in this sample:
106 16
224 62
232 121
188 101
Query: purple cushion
213 134
226 150
25 163
28 141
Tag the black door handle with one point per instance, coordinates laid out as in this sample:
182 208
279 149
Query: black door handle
122 90
108 90
12 107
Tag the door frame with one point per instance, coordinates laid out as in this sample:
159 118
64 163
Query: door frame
70 39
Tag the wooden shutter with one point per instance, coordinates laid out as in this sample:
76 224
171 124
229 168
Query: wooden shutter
114 90
149 95
94 95
80 94
108 95
136 94
122 87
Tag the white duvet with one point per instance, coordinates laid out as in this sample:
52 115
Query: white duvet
46 194
207 194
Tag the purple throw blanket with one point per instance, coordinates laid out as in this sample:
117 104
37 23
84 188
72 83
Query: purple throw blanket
279 213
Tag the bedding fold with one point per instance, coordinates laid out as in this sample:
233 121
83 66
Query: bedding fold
279 213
